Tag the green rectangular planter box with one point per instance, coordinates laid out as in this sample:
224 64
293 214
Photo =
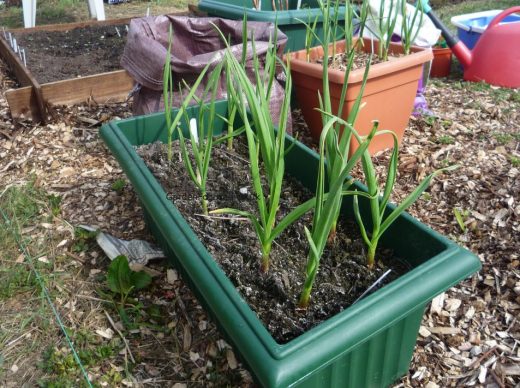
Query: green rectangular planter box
369 344
289 22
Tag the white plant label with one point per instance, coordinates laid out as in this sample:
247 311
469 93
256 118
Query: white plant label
193 130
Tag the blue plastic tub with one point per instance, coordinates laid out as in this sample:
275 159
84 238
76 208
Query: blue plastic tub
470 26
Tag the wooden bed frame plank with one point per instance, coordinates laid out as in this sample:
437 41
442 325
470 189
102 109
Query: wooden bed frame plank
104 87
25 77
70 26
14 63
32 98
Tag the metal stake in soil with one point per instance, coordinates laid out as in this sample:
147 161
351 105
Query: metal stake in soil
23 57
372 286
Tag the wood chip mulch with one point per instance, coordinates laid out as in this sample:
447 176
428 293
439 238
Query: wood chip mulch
470 336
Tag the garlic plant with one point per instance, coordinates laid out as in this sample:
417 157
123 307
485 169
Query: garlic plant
266 146
327 205
200 129
380 219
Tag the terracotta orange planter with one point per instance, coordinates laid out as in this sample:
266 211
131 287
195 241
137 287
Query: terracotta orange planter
441 63
389 93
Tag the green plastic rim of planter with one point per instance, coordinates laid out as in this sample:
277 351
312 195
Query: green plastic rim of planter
369 344
289 22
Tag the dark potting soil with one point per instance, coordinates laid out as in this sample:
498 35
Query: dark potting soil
342 277
302 132
58 55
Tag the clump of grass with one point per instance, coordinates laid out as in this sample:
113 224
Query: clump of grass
118 185
515 161
445 139
22 203
17 280
61 368
503 138
22 209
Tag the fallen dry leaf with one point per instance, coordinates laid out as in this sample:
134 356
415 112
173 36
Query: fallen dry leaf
230 357
107 333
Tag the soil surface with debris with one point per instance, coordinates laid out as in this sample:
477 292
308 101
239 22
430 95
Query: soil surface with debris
59 55
469 336
340 61
343 275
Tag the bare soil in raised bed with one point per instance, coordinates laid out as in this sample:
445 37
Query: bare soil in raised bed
342 277
59 55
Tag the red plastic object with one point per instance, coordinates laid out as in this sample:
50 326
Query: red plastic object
496 56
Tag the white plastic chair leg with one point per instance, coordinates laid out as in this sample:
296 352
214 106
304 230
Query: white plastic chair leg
29 13
96 9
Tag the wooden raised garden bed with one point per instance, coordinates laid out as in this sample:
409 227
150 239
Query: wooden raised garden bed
63 62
